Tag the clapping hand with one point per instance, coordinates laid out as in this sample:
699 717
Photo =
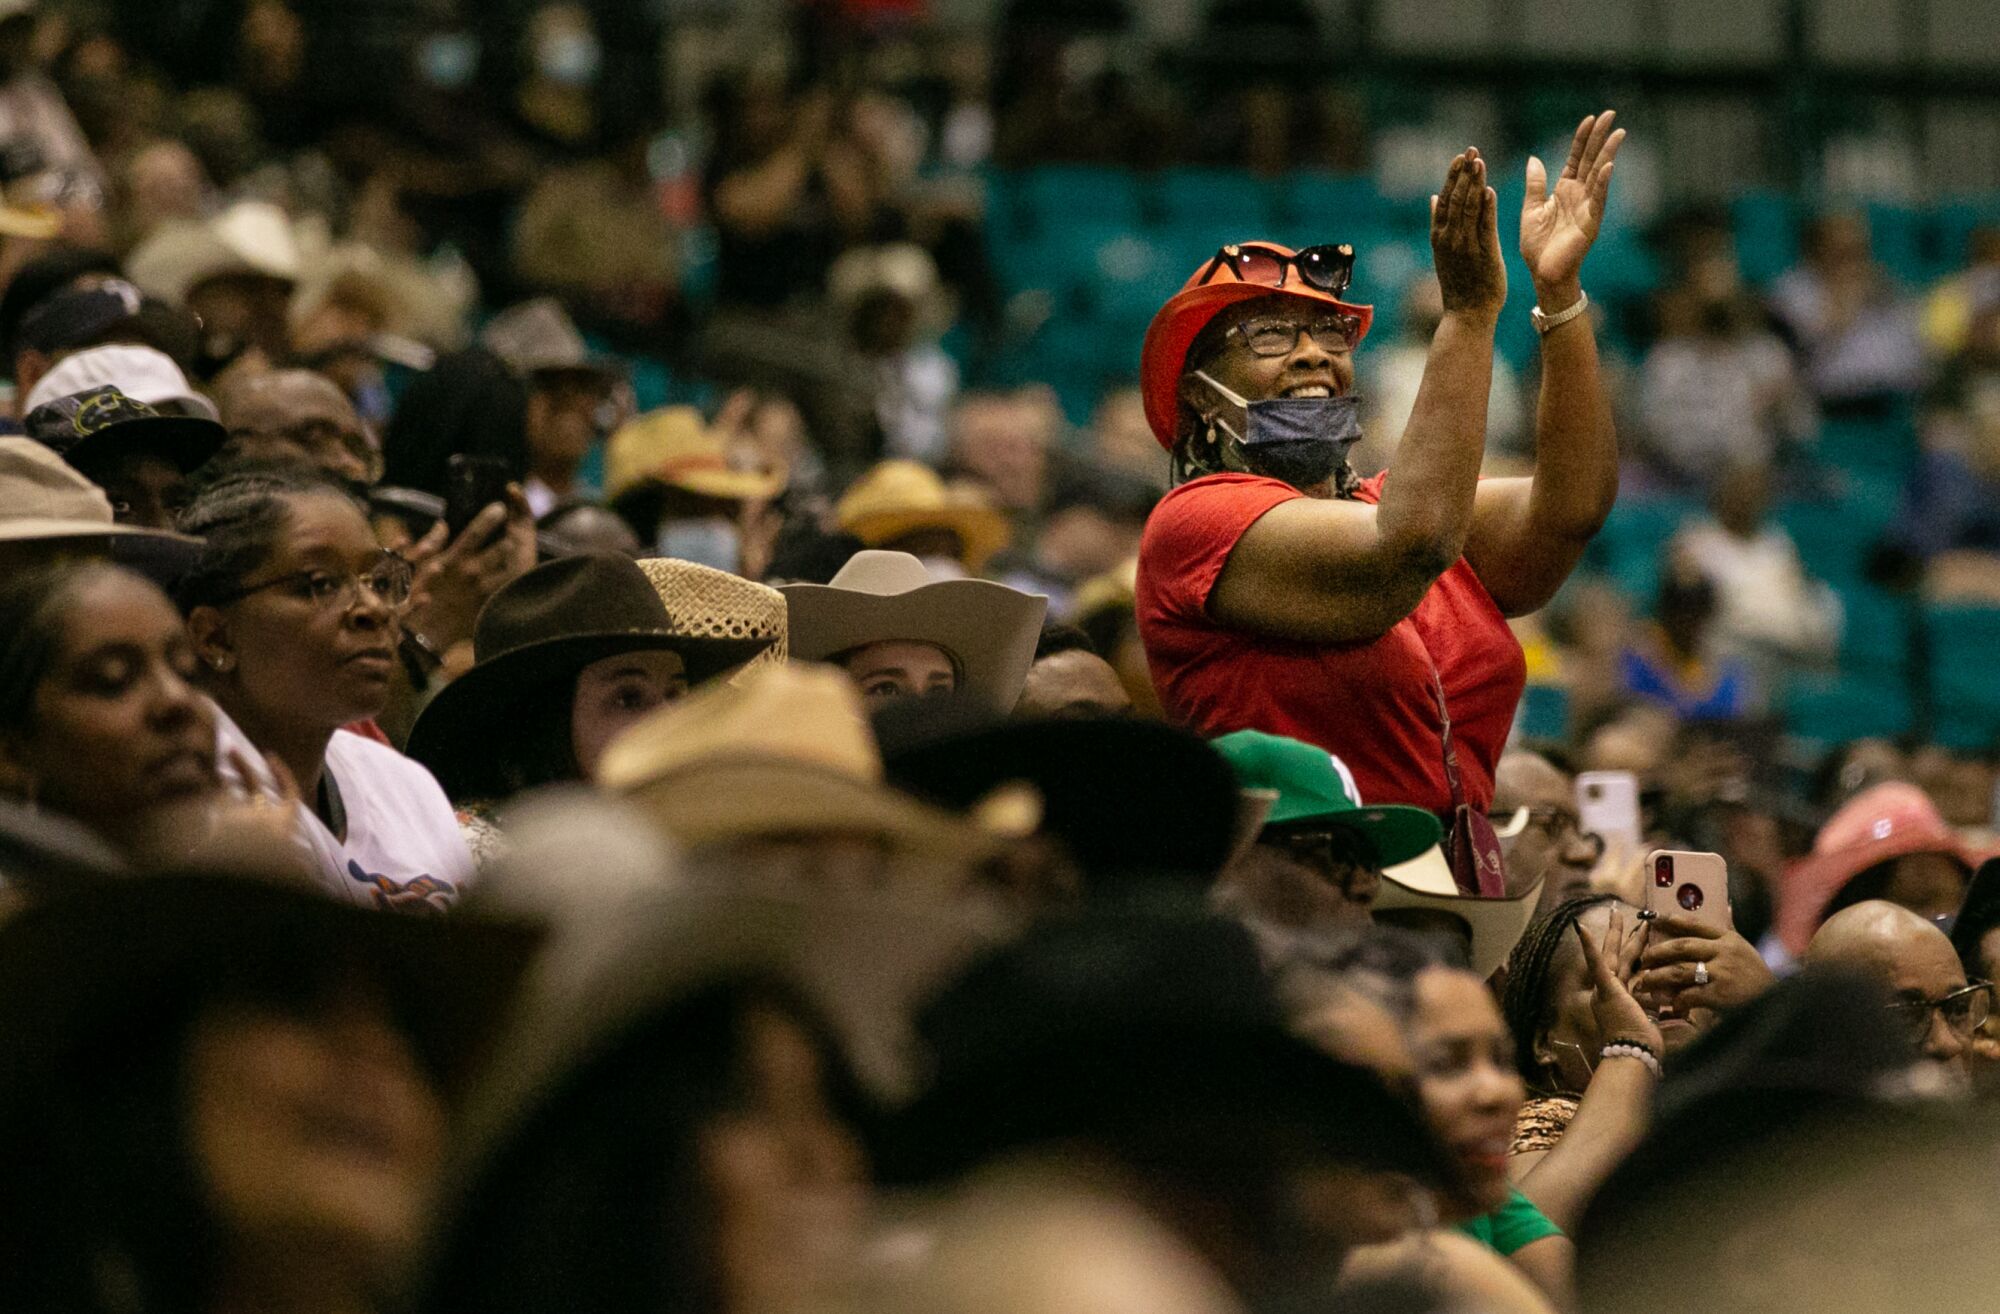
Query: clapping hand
1558 225
1465 240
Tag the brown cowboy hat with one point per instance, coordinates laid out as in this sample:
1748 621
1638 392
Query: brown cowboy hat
540 630
44 500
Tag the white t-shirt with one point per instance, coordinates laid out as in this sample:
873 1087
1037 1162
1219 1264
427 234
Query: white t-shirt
404 849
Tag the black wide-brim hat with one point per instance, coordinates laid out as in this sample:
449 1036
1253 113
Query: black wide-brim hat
532 638
80 966
1130 800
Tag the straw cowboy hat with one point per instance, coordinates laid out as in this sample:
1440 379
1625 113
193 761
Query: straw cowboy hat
250 237
541 629
898 498
672 446
708 603
1426 884
1211 289
43 499
988 630
787 752
83 961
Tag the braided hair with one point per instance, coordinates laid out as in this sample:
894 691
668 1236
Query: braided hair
241 519
1526 1001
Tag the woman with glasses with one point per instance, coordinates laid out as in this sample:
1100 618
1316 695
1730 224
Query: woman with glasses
1278 591
294 615
1597 994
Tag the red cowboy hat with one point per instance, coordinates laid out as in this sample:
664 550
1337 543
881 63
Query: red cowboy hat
1209 289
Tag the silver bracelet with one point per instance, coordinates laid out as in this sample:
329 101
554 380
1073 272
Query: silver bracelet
1639 1052
1549 323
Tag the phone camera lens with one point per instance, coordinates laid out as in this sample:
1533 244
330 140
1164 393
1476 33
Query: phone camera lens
1663 872
1689 897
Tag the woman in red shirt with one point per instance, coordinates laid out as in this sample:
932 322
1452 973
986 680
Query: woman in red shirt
1278 591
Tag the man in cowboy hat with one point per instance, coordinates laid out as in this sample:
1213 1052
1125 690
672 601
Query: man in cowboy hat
140 456
1317 861
905 506
686 489
899 633
570 393
49 510
780 773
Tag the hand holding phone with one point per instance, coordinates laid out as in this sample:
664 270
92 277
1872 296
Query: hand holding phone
1690 885
473 483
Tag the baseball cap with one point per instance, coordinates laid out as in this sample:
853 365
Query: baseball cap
88 428
140 373
1313 785
77 316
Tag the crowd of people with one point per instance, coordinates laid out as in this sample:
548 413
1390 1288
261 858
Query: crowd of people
517 796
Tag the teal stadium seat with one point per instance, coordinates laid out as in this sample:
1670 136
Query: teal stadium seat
1835 709
1053 196
1965 677
1235 205
1767 234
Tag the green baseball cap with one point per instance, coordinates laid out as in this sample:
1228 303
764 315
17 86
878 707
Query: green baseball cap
1313 785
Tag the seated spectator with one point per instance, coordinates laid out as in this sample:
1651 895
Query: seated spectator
98 309
573 397
1542 839
1005 442
100 720
1121 441
904 506
213 1095
1317 861
1855 333
694 491
295 615
1068 680
50 513
1575 986
1397 368
1469 1092
1769 612
1718 390
139 456
577 649
894 308
235 270
1950 517
1672 661
1888 843
300 416
899 633
1937 1008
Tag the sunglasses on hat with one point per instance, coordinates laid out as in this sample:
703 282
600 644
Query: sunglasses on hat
1328 269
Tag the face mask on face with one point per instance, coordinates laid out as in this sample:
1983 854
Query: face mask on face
570 59
713 541
449 59
1300 440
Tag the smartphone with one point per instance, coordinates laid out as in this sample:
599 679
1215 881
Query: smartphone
1607 804
1689 884
471 484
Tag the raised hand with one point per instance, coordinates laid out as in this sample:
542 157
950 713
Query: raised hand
1465 240
1609 966
1558 225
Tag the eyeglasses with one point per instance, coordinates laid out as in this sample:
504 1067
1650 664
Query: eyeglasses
1964 1010
1553 821
388 580
1280 337
1328 268
1341 856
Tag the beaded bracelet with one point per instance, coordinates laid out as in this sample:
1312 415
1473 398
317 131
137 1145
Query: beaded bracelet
1625 1049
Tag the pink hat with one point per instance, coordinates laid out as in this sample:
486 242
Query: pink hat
1890 820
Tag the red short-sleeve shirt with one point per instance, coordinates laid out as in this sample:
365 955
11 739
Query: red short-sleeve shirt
1371 703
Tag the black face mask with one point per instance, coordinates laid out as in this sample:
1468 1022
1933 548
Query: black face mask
1301 440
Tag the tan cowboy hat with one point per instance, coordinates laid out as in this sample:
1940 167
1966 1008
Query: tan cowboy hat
899 269
1495 925
988 629
898 498
672 446
539 337
44 499
787 752
707 603
250 237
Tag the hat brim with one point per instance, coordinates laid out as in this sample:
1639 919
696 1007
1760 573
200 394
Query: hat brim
94 958
1496 925
989 630
982 531
1164 355
159 555
1398 833
463 732
185 441
712 801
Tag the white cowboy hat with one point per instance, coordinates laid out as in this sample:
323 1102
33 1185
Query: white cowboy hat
988 630
1494 925
250 237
